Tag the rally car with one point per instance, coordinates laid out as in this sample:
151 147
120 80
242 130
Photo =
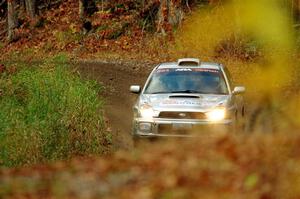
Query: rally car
187 98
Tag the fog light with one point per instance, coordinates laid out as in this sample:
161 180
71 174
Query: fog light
145 127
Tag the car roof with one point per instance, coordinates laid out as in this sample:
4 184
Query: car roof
207 65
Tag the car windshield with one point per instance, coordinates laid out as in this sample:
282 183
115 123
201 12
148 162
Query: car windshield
187 80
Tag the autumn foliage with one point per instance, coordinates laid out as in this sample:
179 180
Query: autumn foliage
225 167
111 25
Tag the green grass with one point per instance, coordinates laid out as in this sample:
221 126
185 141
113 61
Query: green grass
48 113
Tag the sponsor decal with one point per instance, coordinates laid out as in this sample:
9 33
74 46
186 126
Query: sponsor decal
165 70
183 70
202 103
206 70
182 102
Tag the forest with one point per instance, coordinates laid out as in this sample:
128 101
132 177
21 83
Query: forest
93 25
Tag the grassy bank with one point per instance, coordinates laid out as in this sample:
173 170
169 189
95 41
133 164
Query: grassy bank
48 113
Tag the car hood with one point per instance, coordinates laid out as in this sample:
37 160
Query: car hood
184 101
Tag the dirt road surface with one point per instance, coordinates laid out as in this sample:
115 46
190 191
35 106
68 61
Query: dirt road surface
116 79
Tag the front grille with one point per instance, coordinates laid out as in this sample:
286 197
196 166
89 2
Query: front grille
182 115
165 128
171 129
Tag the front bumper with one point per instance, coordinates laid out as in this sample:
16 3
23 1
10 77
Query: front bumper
179 127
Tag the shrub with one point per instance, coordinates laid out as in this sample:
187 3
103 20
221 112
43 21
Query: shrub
64 38
48 113
241 47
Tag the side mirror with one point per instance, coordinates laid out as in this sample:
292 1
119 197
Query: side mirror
135 89
239 90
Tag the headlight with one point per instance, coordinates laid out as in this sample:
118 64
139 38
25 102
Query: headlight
147 112
216 115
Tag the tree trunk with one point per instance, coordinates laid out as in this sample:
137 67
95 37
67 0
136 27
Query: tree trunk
30 7
169 16
102 5
297 10
11 20
81 9
162 17
175 14
23 5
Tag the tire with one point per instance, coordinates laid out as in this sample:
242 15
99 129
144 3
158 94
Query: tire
136 141
240 123
233 128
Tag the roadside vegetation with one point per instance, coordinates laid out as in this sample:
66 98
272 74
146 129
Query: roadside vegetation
49 113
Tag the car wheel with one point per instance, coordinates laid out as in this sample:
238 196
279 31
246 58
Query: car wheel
240 122
235 126
137 141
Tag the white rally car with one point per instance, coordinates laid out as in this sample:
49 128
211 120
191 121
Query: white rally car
186 98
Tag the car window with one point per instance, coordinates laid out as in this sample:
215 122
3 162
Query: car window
190 80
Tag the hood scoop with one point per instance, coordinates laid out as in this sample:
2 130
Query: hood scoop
184 96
